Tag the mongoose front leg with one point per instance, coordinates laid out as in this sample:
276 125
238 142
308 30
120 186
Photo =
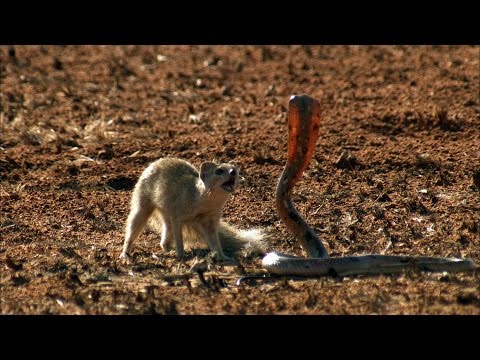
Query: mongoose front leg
136 221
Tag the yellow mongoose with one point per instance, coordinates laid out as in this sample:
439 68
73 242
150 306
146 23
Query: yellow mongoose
188 205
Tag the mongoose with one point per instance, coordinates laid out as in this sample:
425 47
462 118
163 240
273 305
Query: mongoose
188 205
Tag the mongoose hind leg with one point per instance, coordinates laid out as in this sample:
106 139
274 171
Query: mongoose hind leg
174 227
167 242
210 234
137 219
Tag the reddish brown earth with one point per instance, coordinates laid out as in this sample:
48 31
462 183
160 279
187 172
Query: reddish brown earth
79 124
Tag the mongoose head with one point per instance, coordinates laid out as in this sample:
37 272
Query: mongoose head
219 176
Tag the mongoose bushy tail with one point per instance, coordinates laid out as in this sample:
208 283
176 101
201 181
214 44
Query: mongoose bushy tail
232 239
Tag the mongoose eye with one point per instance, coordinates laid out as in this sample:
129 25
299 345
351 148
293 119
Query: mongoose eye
219 171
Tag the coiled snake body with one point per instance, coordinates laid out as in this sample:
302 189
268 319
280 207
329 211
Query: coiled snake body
303 127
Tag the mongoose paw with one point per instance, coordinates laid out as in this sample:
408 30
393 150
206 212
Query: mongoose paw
123 256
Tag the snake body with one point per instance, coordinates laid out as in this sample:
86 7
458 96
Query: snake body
304 115
303 127
281 264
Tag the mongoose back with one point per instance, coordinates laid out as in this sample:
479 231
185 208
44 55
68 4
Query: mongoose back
187 204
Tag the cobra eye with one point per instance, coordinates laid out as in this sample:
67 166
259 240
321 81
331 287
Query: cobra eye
219 171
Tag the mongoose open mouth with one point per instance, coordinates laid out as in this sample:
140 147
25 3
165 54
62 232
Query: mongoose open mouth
229 185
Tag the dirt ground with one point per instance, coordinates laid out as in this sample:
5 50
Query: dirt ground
79 124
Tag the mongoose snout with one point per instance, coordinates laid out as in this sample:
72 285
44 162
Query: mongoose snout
230 184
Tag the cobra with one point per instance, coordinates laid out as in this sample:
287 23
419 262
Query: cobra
304 117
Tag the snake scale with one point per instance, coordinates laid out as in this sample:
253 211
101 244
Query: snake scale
304 116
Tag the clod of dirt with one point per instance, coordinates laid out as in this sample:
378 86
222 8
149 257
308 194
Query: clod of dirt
271 90
95 295
227 91
445 122
121 183
476 179
106 153
57 64
267 54
468 297
346 161
11 52
463 240
7 165
162 308
74 281
239 67
423 161
71 143
78 300
415 205
19 280
378 212
264 156
13 265
73 170
384 198
69 253
98 278
73 184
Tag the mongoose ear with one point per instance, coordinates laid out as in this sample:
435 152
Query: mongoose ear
206 168
233 162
